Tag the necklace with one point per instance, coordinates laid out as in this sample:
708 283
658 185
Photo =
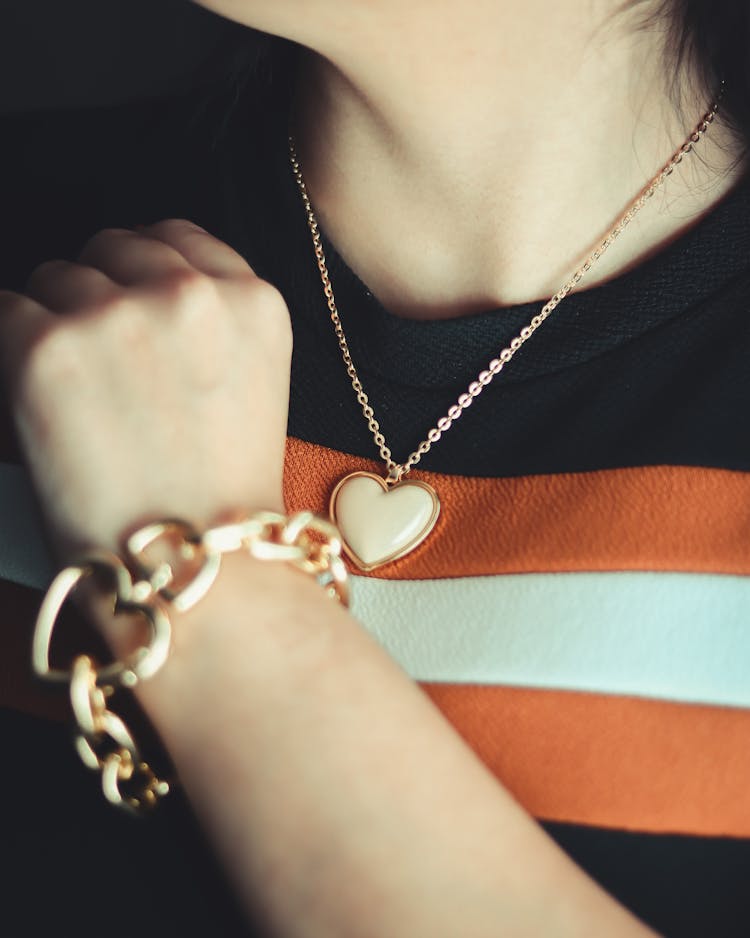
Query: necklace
384 518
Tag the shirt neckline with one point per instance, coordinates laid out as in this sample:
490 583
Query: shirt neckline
445 353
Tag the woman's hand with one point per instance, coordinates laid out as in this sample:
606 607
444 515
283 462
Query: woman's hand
161 391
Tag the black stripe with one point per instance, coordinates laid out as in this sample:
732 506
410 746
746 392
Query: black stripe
686 887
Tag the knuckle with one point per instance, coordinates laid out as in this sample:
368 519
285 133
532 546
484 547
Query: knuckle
173 226
42 271
81 285
266 295
187 290
101 239
122 317
270 311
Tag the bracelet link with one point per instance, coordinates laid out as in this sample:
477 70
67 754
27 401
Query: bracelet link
104 743
147 788
111 576
166 564
188 574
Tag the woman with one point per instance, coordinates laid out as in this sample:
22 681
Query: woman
463 161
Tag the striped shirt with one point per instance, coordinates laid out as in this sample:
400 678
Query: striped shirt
581 612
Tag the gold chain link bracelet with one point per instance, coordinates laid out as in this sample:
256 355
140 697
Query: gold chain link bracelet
148 588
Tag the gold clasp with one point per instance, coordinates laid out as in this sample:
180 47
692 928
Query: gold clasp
395 475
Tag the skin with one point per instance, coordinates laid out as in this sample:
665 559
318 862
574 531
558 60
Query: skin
346 773
464 156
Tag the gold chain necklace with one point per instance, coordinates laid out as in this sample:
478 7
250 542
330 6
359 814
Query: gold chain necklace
383 519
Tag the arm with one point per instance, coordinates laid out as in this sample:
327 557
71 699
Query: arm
341 801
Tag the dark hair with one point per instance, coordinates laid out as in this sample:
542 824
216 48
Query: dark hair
711 36
244 56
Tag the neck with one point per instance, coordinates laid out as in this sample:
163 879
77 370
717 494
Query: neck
464 156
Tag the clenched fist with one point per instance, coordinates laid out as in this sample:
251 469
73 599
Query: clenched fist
149 379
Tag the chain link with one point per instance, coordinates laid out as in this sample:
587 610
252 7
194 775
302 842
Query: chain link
105 744
396 471
175 566
307 541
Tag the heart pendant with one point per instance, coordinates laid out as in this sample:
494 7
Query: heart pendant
380 523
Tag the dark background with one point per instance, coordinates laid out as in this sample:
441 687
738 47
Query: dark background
78 53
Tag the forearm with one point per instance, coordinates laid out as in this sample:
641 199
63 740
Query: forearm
341 801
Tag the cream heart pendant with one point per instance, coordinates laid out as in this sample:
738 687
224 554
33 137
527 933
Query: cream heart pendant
379 522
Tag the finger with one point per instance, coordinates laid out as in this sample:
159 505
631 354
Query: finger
129 258
199 248
22 321
63 286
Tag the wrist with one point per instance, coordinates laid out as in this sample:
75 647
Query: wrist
250 602
208 602
261 629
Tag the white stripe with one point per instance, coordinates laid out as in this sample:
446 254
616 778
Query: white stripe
24 555
672 636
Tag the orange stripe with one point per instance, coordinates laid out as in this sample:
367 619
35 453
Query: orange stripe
610 761
651 518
